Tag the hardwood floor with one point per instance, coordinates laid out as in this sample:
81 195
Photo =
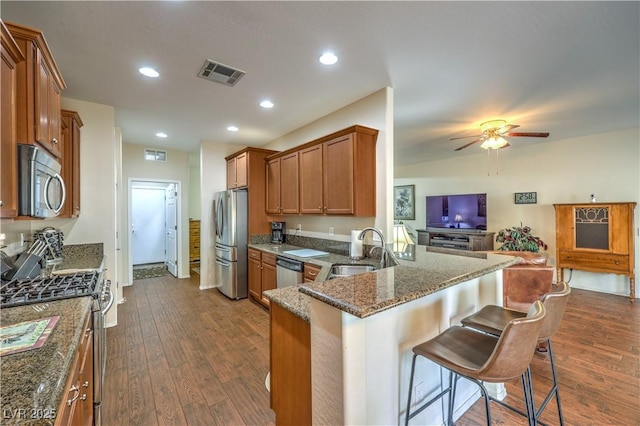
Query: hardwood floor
189 357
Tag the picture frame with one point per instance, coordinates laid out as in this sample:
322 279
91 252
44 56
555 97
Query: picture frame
404 205
526 198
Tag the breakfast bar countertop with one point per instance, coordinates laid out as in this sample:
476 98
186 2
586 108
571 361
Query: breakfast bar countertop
366 294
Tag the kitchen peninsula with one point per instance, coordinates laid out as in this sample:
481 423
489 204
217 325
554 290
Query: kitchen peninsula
362 329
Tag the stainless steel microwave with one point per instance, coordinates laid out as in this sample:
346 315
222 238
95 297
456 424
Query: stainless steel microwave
41 190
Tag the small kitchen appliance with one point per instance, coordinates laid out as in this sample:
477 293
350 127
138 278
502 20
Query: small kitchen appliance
277 232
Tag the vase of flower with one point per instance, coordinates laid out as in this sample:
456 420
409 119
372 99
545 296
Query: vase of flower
519 238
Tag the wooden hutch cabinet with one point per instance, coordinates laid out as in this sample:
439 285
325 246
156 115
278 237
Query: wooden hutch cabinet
596 237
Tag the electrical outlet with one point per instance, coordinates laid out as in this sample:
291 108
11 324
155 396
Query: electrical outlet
299 227
331 230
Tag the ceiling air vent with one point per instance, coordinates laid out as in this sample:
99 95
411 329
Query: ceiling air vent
220 73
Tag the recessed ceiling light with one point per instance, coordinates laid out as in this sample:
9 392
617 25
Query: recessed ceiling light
232 129
161 135
328 58
149 72
266 104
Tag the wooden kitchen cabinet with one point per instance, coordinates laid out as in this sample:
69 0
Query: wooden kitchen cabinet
337 173
11 56
262 275
246 169
290 367
596 237
70 144
39 88
282 185
310 272
76 406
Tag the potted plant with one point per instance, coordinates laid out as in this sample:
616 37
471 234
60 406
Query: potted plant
519 238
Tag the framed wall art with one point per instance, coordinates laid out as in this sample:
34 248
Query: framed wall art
404 206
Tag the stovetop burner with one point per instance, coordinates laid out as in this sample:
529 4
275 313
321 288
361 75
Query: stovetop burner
44 289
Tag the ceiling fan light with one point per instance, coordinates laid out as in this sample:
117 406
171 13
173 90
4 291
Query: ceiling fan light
494 142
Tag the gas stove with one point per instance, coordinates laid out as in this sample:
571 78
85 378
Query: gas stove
26 291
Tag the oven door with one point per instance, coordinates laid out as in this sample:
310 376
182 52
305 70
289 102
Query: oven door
100 355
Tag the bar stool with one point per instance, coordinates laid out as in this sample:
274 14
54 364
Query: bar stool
493 320
482 357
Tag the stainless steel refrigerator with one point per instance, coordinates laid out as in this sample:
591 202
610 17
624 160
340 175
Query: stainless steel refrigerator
231 231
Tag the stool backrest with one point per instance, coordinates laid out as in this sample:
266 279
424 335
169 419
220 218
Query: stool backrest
516 345
555 303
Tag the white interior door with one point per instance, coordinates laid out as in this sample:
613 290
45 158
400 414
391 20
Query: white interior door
171 226
147 225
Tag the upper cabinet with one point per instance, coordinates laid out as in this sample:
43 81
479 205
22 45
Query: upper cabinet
39 87
246 169
70 143
336 174
596 237
11 56
282 184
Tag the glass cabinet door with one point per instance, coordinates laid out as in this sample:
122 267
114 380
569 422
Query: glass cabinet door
592 227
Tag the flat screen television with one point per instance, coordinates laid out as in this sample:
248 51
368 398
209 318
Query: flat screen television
461 211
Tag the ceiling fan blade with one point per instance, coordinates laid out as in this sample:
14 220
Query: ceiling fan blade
465 137
529 134
469 144
507 128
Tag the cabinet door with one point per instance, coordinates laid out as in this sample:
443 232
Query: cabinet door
8 147
86 384
273 186
289 197
311 180
268 280
338 176
565 229
47 105
241 171
255 279
75 169
231 173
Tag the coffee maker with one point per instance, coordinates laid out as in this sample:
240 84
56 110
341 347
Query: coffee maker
277 232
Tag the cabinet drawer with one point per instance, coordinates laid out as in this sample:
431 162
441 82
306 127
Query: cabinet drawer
594 261
255 254
311 272
269 259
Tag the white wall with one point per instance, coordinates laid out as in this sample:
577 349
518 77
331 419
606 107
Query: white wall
567 171
213 178
194 187
176 168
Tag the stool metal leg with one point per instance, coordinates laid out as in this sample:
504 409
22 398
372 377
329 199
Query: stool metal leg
453 380
413 367
554 390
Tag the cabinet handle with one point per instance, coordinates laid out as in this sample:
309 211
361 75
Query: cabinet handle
313 274
54 141
88 332
75 389
617 262
84 397
1 203
85 384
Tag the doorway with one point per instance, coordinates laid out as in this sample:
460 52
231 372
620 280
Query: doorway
153 225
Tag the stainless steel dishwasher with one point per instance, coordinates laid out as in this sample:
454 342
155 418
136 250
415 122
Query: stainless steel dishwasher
288 272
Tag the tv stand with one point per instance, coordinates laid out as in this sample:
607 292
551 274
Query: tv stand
455 238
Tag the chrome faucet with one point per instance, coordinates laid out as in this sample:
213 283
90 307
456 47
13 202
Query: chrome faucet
383 256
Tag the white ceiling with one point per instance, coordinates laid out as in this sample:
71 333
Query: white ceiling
568 68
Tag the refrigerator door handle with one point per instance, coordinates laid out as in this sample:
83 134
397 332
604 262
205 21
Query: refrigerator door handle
223 263
220 218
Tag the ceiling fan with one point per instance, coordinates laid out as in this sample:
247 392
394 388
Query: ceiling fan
494 133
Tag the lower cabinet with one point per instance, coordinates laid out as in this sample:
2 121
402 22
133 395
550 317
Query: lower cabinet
262 275
310 272
76 406
290 367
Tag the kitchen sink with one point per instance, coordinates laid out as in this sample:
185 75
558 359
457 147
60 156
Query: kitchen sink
338 271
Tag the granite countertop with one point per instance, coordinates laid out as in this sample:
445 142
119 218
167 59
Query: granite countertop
33 382
81 257
366 294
